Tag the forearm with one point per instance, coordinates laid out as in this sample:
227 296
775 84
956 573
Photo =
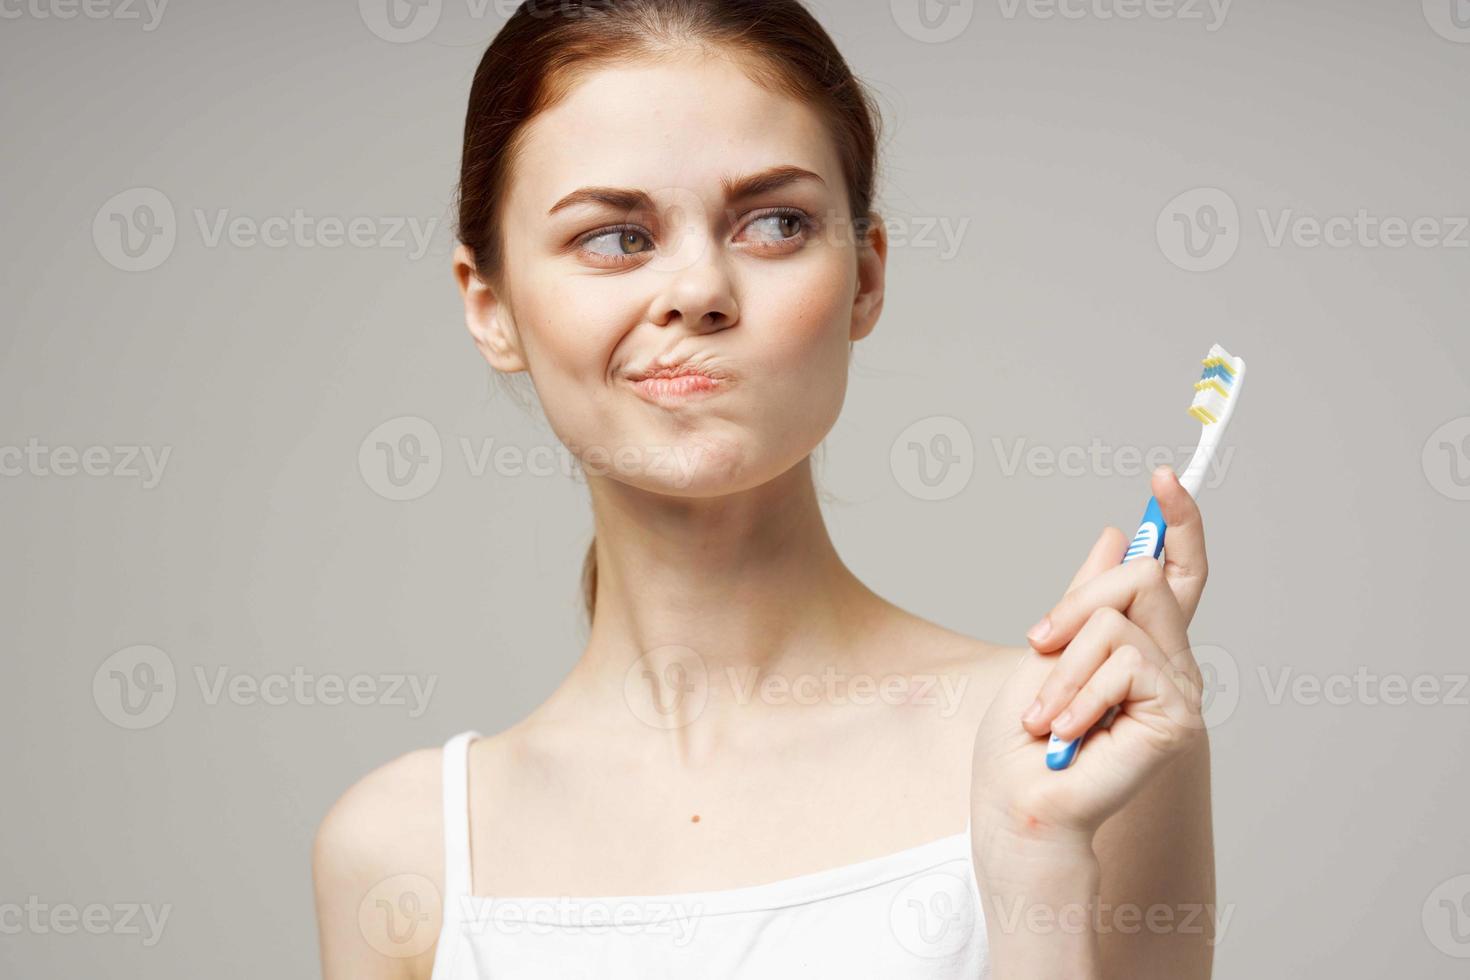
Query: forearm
1038 898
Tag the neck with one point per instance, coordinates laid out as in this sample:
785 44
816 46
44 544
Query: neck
709 595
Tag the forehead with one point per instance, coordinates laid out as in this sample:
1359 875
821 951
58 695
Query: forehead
685 123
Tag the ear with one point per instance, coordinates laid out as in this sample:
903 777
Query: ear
487 317
872 254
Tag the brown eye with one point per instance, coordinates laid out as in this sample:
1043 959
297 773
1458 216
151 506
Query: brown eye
633 238
618 242
780 226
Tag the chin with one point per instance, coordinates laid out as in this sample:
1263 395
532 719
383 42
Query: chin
705 466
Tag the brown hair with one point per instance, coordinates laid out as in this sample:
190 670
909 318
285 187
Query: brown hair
548 45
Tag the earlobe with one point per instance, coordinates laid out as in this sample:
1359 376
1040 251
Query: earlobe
486 317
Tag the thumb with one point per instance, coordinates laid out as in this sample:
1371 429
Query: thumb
1185 564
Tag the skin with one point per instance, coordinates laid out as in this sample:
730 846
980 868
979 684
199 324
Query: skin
722 565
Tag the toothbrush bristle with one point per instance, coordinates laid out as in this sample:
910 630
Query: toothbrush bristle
1213 390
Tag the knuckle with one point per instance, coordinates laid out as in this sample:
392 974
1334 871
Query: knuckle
1129 657
1062 688
1151 573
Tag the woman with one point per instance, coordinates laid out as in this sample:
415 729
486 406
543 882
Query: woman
758 767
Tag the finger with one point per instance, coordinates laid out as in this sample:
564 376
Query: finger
1185 564
1105 630
1137 588
1106 552
1125 676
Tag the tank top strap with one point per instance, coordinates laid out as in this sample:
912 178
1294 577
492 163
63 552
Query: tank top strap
457 815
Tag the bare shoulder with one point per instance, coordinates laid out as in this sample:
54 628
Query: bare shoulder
391 818
381 841
969 669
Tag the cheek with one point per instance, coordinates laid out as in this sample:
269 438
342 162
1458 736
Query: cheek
569 336
569 328
804 348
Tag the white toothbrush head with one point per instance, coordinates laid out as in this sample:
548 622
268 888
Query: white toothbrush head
1218 388
1216 394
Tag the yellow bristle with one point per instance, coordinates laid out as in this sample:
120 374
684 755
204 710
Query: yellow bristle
1219 362
1203 414
1202 384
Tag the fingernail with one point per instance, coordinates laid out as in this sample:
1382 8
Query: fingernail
1033 712
1039 632
1060 721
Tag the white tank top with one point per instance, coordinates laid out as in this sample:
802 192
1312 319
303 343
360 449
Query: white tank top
914 914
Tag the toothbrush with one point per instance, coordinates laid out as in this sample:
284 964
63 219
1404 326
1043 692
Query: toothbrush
1216 394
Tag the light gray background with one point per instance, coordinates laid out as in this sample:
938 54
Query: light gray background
1338 543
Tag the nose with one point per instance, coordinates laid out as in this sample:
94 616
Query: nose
696 290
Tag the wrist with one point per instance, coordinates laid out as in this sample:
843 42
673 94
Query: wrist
1038 890
1025 849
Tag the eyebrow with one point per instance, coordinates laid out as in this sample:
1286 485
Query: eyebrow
737 189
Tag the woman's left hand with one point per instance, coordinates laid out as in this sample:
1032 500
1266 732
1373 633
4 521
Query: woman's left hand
1121 633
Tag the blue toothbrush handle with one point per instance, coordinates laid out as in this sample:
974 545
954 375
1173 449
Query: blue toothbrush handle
1147 542
1150 537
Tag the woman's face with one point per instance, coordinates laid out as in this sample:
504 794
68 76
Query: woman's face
762 291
